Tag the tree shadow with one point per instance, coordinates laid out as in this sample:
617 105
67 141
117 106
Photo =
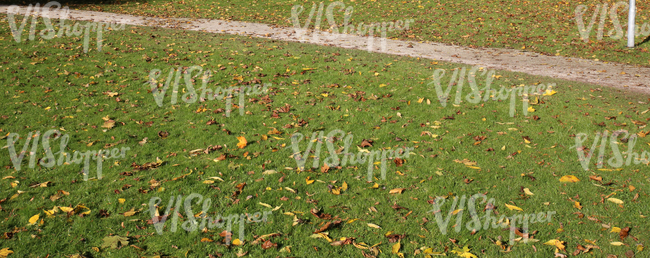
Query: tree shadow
646 40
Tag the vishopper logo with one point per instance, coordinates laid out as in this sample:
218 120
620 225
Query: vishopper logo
362 156
207 222
64 30
191 96
457 208
49 160
361 28
585 154
585 33
458 79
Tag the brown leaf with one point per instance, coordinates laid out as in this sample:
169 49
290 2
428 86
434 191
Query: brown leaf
163 134
398 162
395 237
366 143
324 168
397 207
268 245
624 233
327 226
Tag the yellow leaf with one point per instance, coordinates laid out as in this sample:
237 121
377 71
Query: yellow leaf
374 226
5 251
33 219
66 209
217 178
528 192
569 179
352 220
121 200
397 191
322 235
265 205
336 191
617 243
361 245
205 239
614 200
130 213
50 213
309 181
396 247
549 93
208 182
345 186
531 109
474 167
577 205
242 142
512 207
456 212
375 186
557 243
615 230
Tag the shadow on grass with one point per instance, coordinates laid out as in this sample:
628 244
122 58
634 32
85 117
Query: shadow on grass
646 40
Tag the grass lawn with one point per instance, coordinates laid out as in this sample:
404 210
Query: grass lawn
104 99
547 27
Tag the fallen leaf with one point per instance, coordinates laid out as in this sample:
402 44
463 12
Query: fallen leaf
33 219
4 252
512 207
395 248
528 192
569 179
114 241
614 200
397 191
374 226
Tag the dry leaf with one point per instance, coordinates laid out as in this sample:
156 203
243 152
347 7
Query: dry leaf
374 226
33 219
569 179
242 142
528 192
395 248
4 252
512 207
614 200
397 191
109 124
130 213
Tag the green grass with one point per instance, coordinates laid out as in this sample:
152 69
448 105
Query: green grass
52 84
546 27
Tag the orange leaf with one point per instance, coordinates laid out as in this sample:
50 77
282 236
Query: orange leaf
242 142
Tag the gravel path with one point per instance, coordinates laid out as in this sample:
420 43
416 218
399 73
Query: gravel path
627 77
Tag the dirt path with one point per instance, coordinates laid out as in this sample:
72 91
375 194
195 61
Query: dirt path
626 77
